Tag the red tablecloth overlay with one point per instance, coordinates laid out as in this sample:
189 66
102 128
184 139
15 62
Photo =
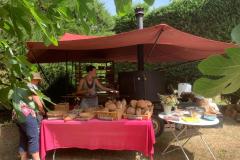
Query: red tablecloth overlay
96 134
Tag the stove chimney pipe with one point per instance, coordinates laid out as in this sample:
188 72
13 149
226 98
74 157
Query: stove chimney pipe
139 13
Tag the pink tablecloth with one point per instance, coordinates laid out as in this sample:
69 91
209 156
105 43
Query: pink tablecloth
95 134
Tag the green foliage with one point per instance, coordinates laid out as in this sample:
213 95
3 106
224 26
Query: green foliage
180 73
21 20
122 9
59 87
168 100
235 34
37 20
74 19
207 18
125 67
149 2
225 69
51 72
127 21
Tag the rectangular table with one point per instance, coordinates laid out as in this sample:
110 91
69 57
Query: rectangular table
96 134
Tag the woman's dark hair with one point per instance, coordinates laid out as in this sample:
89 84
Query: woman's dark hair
90 68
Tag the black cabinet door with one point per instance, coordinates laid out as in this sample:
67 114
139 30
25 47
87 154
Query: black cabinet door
141 84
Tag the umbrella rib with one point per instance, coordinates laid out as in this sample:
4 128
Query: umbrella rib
155 43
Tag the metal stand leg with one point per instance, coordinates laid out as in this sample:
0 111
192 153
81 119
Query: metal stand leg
54 152
180 133
181 146
176 139
204 142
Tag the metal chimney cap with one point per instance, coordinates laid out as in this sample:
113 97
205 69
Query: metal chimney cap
139 11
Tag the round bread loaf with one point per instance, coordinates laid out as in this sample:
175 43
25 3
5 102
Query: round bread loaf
142 104
133 103
131 110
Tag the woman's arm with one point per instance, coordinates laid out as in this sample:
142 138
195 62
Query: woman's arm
39 103
102 87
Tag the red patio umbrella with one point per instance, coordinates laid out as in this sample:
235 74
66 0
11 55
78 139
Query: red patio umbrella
162 43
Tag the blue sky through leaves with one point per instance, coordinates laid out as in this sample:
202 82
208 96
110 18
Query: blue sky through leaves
109 4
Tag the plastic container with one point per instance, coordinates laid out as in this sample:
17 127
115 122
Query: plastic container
209 117
184 87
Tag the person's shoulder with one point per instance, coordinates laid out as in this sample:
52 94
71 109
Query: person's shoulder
82 79
32 87
96 79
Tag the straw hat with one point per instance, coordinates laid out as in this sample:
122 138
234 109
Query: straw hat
37 76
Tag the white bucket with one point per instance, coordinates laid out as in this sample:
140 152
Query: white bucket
184 87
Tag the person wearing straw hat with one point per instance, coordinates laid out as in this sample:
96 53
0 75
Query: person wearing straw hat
29 129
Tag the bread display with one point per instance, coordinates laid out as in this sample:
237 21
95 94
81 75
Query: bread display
111 107
69 117
124 103
139 109
56 114
131 110
61 107
113 110
133 103
208 106
142 103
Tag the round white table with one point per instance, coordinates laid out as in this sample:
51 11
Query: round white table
194 125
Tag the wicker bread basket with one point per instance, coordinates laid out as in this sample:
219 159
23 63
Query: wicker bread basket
139 117
104 115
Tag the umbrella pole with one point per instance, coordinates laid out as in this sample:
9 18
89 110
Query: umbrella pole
139 13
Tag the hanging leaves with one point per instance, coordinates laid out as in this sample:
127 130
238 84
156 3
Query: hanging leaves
122 6
21 20
225 73
149 2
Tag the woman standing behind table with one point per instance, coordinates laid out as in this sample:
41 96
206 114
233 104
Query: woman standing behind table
29 135
87 88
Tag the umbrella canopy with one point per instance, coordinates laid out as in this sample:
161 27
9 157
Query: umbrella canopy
162 43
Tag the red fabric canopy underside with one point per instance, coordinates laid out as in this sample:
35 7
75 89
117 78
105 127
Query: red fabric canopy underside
171 45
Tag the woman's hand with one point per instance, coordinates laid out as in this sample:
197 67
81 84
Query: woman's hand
42 112
114 91
91 91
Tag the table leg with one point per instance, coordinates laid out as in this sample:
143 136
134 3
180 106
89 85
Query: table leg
181 146
54 153
204 142
174 139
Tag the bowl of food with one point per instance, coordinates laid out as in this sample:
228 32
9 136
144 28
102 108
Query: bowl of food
209 116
